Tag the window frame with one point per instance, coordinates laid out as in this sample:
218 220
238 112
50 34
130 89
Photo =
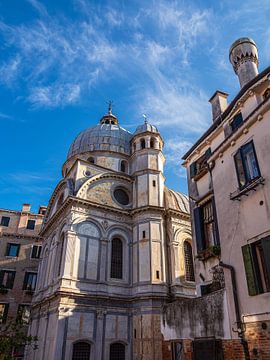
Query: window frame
117 261
31 221
38 251
240 152
77 343
3 219
234 124
25 281
9 245
188 260
20 315
256 267
10 284
5 312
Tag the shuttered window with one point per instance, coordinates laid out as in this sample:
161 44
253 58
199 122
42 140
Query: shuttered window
246 164
117 259
117 351
257 267
237 121
81 351
199 167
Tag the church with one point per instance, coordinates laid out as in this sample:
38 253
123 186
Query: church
117 247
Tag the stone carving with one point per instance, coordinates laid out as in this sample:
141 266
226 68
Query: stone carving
105 224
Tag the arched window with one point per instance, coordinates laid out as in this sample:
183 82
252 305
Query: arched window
117 259
142 144
81 351
123 166
188 262
91 160
152 143
117 351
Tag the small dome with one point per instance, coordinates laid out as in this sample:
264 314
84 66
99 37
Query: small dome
146 127
102 137
176 201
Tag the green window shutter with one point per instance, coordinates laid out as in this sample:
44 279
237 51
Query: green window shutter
207 153
266 254
250 273
199 230
193 169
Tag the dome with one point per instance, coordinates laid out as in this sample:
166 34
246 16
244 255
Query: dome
176 201
102 137
146 127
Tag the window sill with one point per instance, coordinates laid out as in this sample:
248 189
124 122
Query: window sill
236 195
200 174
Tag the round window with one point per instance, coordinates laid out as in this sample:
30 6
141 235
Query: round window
121 196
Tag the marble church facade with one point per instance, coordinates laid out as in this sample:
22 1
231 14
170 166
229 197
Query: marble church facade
117 248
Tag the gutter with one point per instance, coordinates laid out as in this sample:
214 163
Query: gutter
240 325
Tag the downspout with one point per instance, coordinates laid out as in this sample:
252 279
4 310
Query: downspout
240 327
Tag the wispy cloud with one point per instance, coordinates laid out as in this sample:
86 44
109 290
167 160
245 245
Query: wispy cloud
5 116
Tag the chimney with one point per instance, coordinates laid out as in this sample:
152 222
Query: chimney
26 208
42 210
244 59
219 103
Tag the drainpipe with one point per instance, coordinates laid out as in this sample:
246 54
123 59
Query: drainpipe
240 328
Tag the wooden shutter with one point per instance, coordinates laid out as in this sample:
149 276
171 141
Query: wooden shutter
266 253
252 282
199 230
217 239
207 153
193 169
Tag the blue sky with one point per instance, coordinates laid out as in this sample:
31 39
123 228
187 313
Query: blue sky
61 61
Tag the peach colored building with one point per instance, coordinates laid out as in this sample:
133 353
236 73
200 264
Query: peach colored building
20 249
229 186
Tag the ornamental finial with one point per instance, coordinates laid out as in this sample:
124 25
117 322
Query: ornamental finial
145 118
110 107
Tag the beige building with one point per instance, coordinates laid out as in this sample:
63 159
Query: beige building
20 249
117 248
229 187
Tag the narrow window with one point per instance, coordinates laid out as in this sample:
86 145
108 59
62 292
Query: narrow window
142 144
23 314
31 224
157 274
188 262
36 251
5 221
152 143
7 279
117 259
3 313
123 166
30 280
257 267
154 183
117 351
177 350
143 234
206 228
60 248
246 164
134 147
13 250
81 351
135 333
